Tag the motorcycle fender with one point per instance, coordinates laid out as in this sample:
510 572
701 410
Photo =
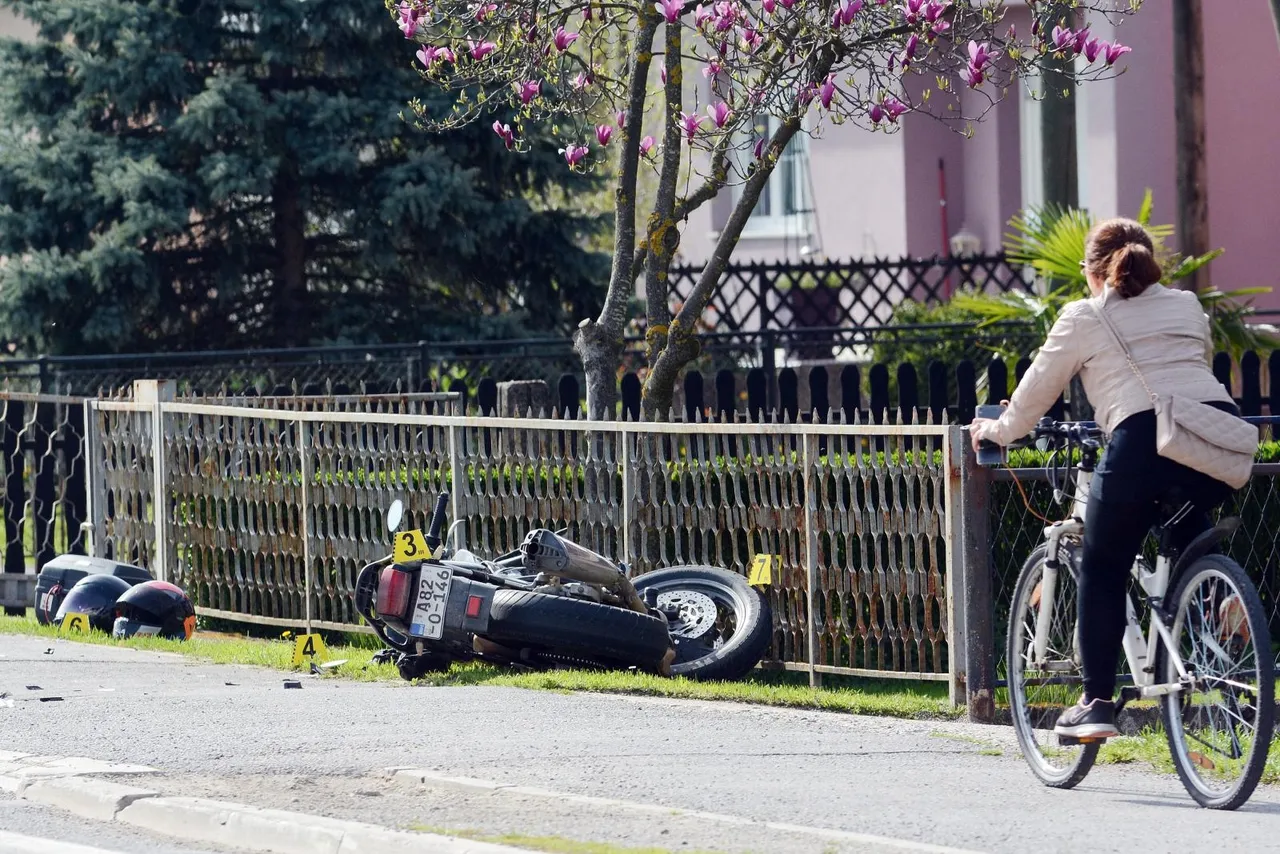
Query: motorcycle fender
473 600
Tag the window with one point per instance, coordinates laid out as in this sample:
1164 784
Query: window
783 208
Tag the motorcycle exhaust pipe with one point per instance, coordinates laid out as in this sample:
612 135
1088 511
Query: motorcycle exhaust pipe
546 552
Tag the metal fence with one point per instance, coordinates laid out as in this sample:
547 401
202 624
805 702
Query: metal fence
267 515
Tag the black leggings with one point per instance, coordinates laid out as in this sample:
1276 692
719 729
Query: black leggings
1129 487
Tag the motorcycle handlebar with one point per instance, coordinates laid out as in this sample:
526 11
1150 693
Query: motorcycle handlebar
437 521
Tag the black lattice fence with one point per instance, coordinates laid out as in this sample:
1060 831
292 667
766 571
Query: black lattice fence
790 296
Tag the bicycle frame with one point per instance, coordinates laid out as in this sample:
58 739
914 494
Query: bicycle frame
1137 649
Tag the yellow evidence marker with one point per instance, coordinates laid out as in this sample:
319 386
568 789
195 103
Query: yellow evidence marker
75 622
411 546
308 646
762 570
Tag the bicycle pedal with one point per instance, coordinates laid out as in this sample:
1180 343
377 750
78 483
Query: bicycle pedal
1073 741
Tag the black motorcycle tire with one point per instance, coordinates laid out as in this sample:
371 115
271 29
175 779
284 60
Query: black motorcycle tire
743 650
578 627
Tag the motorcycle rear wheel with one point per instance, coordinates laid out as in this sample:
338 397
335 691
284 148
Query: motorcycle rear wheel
577 627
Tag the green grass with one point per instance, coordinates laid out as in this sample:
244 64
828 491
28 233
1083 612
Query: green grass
1151 748
889 698
551 844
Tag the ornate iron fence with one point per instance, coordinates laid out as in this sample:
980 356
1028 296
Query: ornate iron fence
267 515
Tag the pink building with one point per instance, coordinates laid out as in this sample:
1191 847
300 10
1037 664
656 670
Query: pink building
853 193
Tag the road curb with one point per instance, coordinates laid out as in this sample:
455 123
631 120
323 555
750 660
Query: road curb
96 799
283 832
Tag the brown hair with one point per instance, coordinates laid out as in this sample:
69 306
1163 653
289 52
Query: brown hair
1120 251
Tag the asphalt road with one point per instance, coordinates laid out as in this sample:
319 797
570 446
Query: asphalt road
236 733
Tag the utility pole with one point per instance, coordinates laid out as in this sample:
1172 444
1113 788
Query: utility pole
1058 122
1188 85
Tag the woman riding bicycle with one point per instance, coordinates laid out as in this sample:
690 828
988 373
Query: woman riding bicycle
1168 336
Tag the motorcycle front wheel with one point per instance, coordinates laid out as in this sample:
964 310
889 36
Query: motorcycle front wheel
721 625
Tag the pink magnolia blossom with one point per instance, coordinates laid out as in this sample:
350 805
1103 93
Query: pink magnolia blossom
712 68
845 12
670 9
893 108
408 20
484 10
1092 48
583 80
587 12
827 91
646 146
574 153
726 14
691 122
751 39
980 57
758 150
933 11
911 11
621 117
1063 38
806 94
787 4
700 16
604 133
479 50
909 50
1115 51
429 55
528 90
769 6
1082 37
1012 35
876 114
719 113
504 131
662 73
939 28
563 38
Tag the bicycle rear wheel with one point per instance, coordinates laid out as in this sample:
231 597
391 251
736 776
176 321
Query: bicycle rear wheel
1219 732
1039 691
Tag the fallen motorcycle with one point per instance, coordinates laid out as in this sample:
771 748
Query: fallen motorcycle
553 603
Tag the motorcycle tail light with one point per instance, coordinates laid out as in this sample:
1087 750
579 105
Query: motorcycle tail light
473 606
394 586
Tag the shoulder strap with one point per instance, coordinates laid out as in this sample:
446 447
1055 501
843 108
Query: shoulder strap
1119 342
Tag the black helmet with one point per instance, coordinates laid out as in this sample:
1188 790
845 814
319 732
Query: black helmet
155 608
94 596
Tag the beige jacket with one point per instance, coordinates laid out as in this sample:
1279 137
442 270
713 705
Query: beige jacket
1165 329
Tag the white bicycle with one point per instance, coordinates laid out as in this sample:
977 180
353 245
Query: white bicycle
1206 655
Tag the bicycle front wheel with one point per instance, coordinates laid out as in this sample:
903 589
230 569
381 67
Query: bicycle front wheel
1041 687
1219 729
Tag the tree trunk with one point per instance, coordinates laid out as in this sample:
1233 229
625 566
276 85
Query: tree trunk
1188 83
1059 162
599 342
1275 15
291 304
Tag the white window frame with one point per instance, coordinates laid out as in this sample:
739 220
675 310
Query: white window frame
797 224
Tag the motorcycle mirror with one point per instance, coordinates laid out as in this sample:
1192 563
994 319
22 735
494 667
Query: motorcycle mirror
395 515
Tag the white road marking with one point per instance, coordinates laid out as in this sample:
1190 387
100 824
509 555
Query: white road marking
430 778
14 843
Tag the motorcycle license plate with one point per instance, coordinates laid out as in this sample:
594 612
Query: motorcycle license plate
433 595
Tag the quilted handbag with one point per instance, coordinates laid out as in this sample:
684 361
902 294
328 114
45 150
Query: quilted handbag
1195 434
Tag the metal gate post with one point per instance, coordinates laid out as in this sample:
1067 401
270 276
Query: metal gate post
95 486
811 552
304 449
628 495
154 394
975 578
457 441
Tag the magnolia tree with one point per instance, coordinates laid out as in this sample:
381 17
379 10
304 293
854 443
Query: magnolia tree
736 82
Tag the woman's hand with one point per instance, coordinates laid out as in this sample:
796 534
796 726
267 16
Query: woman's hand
975 430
